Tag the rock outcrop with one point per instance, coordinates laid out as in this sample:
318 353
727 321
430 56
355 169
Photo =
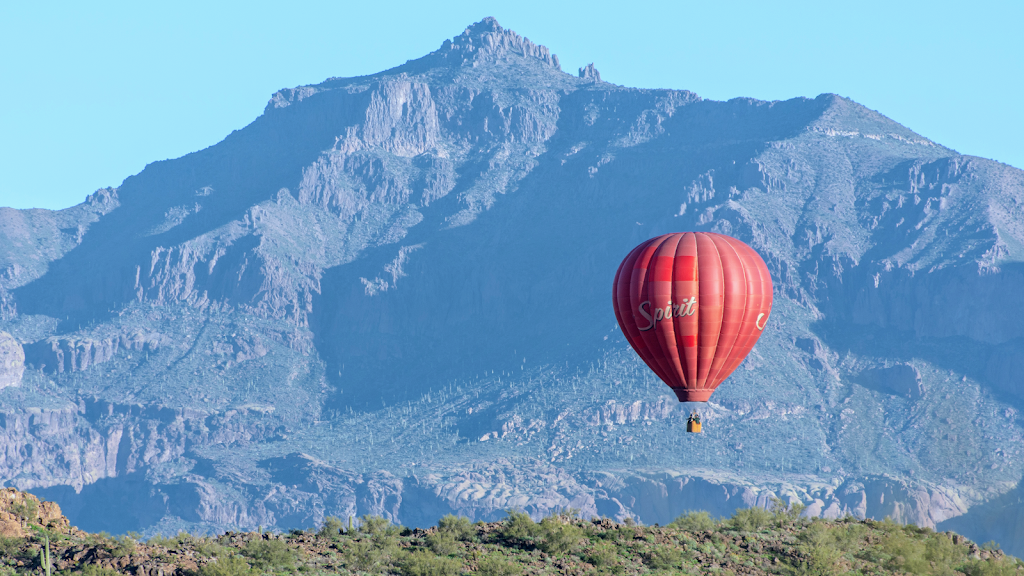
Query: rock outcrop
19 510
12 361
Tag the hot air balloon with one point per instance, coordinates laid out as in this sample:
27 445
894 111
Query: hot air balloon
692 305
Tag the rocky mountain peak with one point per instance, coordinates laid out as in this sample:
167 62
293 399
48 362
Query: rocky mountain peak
486 41
588 72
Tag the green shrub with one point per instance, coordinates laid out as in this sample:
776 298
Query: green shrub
990 546
172 543
887 525
518 527
750 519
782 512
374 525
422 563
821 560
495 566
1004 566
224 566
380 530
122 546
848 537
558 536
820 548
906 553
817 534
694 521
270 554
209 548
443 543
664 558
365 557
620 533
97 570
331 527
10 546
603 555
27 509
458 526
939 548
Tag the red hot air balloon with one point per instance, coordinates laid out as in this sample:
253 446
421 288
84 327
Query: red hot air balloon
692 305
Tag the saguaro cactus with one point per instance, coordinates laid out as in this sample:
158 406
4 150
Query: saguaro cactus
44 556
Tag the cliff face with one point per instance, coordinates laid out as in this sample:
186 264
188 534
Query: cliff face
389 294
12 361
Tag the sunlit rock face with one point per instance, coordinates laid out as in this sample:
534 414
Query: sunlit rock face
392 295
12 361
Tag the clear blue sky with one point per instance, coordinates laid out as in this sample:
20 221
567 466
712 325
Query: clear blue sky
95 91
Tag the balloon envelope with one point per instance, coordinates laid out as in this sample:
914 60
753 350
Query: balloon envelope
692 305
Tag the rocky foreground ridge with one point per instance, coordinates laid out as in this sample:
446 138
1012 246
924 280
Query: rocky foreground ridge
389 295
38 539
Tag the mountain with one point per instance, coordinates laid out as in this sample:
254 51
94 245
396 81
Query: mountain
390 294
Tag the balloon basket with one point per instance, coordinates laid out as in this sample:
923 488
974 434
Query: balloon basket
693 427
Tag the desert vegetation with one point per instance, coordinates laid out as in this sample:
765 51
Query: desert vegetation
778 540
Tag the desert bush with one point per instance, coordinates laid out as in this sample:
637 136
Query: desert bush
817 534
27 509
848 537
365 557
820 549
821 561
374 525
750 519
602 555
518 527
422 563
209 548
783 513
269 554
96 570
495 566
694 521
1005 566
380 530
906 553
171 543
331 528
558 536
121 546
10 546
442 543
223 566
887 525
939 548
458 526
620 534
664 558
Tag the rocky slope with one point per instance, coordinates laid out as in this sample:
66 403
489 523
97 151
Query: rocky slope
752 541
389 294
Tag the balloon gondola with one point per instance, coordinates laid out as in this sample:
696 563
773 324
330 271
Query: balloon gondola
692 305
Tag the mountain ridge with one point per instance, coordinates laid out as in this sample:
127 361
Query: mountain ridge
388 294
